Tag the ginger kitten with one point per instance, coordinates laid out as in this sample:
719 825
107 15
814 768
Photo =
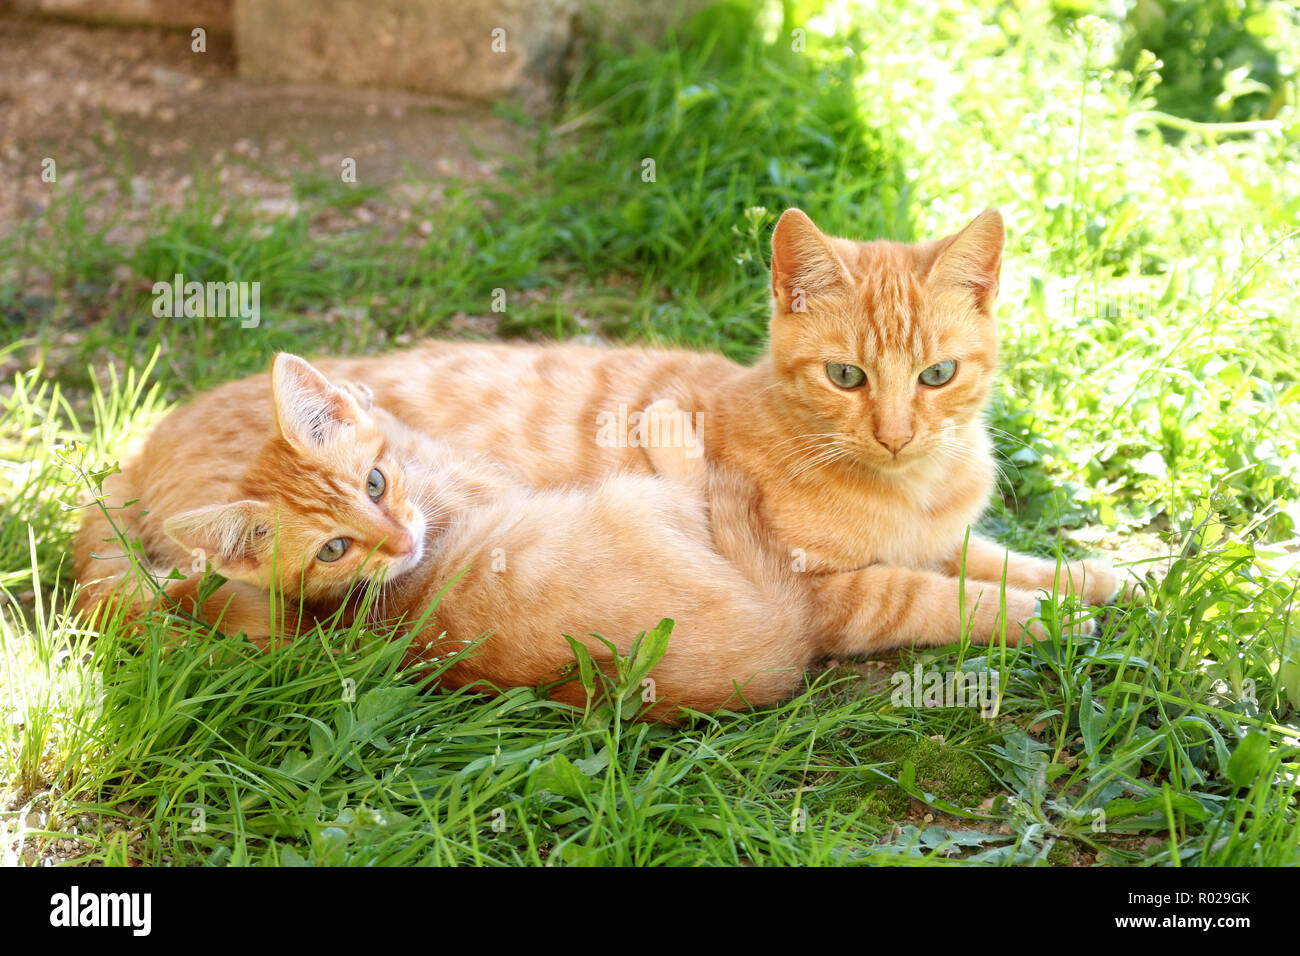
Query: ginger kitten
310 505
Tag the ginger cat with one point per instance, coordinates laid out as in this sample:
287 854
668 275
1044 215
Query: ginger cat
337 491
860 434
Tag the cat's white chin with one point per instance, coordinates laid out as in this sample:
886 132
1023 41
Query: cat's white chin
411 561
897 466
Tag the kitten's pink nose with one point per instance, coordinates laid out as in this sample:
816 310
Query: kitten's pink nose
400 544
894 439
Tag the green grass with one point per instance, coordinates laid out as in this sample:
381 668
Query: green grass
1149 404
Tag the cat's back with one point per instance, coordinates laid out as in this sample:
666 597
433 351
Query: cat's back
555 414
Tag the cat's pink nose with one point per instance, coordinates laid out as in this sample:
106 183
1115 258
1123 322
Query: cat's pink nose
895 441
401 544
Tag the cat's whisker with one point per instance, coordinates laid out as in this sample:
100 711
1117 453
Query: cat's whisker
945 437
786 441
795 462
963 455
798 464
828 438
961 452
978 427
758 394
827 454
822 448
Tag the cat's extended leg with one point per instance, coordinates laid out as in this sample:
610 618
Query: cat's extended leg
1094 582
880 608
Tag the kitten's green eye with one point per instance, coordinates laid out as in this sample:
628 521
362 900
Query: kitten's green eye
334 550
845 376
939 374
375 484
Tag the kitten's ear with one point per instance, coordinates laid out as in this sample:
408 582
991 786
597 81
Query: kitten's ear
973 258
309 411
236 538
803 261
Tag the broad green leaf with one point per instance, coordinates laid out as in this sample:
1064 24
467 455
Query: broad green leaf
590 766
290 857
559 775
586 668
383 703
1091 722
1248 759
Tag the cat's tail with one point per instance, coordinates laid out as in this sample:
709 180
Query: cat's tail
740 535
675 451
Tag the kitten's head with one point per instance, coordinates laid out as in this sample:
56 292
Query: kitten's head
326 502
886 349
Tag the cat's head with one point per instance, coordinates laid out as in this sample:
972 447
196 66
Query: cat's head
326 502
886 351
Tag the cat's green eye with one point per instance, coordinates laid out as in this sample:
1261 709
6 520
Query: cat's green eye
845 376
375 484
940 373
334 550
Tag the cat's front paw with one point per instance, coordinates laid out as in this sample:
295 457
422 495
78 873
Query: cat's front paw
1068 618
1098 582
1092 581
1038 619
1023 621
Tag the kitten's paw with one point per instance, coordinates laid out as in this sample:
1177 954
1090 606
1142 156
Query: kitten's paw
665 407
360 392
673 449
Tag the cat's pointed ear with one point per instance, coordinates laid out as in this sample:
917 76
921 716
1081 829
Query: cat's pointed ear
310 412
803 261
972 259
236 539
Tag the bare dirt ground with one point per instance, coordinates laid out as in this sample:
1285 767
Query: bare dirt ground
133 114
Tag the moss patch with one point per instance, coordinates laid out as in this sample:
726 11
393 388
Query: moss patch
946 771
